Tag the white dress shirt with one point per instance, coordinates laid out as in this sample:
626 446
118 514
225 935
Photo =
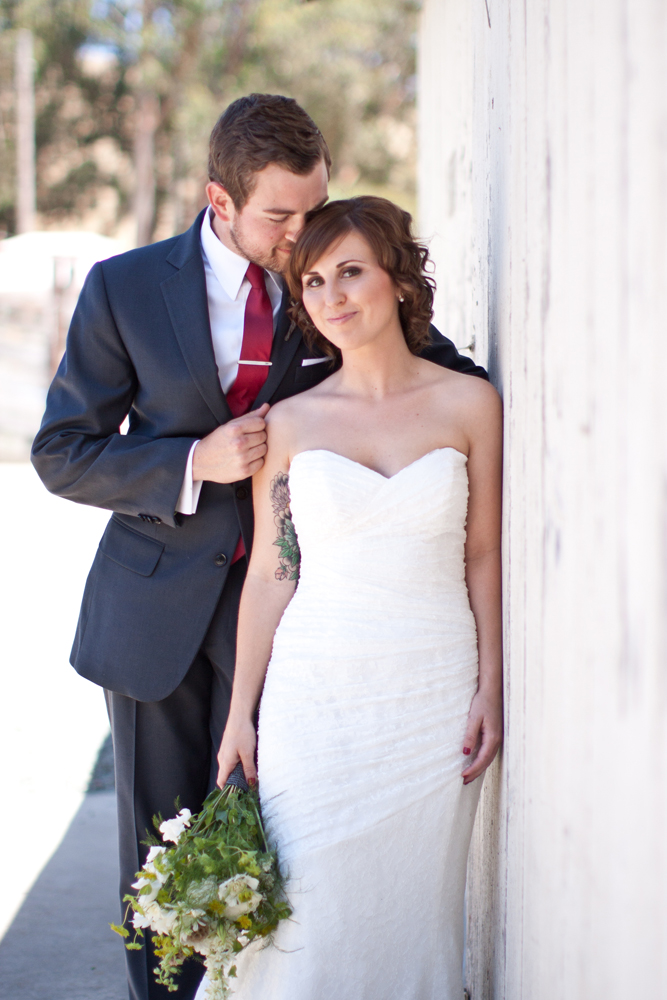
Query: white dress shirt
227 290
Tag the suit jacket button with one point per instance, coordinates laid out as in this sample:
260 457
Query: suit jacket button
242 493
220 559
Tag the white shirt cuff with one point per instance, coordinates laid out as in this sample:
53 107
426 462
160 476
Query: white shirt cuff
188 498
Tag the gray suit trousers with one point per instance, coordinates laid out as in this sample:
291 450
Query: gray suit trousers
166 750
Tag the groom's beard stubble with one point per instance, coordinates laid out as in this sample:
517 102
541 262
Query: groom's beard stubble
274 260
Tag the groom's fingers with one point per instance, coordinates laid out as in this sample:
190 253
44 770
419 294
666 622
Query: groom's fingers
233 451
255 418
254 440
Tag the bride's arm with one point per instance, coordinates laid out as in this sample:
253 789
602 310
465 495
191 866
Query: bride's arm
483 577
268 589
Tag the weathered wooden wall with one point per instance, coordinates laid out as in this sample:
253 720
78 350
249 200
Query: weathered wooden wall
543 182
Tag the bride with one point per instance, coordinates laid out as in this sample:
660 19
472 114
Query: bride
380 673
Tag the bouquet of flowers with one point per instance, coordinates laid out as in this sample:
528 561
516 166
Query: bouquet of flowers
216 890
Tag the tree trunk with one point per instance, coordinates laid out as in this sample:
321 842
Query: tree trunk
25 133
147 117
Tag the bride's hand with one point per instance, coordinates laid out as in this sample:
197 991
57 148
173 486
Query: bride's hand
485 728
238 743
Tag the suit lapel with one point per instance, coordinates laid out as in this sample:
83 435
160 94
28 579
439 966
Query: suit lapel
185 296
282 353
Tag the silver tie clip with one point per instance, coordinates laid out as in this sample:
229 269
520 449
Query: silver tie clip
255 362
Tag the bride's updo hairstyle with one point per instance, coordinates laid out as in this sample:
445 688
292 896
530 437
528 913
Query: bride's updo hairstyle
386 229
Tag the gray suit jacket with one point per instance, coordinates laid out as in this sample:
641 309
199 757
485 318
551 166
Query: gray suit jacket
140 344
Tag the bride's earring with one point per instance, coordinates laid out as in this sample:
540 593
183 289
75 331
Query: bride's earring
401 298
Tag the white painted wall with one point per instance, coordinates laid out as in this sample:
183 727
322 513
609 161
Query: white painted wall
543 176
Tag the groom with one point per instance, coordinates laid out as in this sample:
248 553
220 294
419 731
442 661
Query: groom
191 339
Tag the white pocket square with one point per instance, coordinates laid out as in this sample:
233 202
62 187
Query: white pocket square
313 361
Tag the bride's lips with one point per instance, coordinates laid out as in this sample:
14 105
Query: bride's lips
343 318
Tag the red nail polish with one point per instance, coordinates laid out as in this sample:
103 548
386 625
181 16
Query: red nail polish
466 750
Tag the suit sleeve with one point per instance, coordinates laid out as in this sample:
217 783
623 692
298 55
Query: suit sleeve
79 453
443 352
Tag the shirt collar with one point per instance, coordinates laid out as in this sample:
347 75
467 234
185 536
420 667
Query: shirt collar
228 267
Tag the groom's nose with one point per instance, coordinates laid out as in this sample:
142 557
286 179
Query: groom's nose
294 227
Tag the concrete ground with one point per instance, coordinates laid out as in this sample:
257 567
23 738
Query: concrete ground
57 843
59 946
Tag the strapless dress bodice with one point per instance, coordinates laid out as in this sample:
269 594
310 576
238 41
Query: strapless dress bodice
382 545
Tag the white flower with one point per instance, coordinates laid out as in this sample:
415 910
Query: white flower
153 853
206 945
151 875
154 916
147 897
171 829
140 921
239 896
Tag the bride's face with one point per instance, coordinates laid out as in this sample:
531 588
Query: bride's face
348 296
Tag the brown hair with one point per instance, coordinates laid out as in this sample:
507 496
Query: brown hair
387 230
256 131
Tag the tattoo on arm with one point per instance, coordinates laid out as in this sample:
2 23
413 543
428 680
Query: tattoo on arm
287 542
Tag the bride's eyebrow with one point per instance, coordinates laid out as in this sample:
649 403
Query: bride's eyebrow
352 260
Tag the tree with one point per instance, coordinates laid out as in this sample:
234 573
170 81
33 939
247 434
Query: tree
127 92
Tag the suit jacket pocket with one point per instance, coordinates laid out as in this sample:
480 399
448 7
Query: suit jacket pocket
130 548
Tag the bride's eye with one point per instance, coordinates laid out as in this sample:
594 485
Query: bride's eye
351 272
314 282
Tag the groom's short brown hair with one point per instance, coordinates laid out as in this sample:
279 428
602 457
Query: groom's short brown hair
258 130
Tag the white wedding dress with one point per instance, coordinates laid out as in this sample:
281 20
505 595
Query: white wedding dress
361 730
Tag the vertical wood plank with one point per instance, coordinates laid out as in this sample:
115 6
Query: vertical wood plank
554 253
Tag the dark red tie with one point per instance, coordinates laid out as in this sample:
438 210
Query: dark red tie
256 347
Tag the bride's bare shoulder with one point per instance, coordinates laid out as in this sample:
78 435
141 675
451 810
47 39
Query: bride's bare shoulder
468 402
286 420
289 411
470 390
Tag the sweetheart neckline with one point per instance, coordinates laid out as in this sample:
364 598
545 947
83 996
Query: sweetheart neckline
374 472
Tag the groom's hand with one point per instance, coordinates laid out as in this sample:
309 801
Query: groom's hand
233 451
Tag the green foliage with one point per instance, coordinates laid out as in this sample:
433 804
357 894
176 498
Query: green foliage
351 63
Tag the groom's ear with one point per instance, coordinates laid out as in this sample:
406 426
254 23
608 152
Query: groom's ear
220 200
